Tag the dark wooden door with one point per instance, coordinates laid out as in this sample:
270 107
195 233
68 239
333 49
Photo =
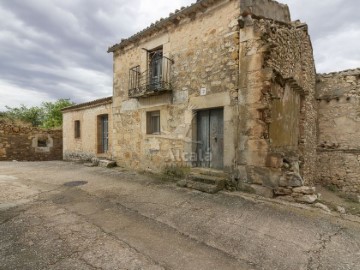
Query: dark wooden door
210 138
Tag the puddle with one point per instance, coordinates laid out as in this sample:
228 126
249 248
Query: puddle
75 183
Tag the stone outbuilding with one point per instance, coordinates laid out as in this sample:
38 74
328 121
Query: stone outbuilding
87 130
219 85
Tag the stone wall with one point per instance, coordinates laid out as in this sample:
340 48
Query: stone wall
267 9
259 70
24 143
338 148
204 47
85 147
277 96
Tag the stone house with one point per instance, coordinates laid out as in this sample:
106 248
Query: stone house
87 130
222 84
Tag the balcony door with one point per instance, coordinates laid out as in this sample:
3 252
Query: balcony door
155 69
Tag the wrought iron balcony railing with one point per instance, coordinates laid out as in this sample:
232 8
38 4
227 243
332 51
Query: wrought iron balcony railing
153 81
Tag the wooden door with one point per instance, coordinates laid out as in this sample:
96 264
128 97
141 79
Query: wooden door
103 132
210 138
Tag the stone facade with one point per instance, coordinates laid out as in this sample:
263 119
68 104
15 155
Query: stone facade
247 64
204 46
338 96
23 143
245 57
277 109
85 145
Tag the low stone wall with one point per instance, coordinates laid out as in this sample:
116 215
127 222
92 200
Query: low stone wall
338 148
23 143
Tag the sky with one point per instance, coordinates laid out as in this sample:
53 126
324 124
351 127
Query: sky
51 49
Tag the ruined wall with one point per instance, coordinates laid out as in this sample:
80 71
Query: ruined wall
86 146
204 48
23 143
338 148
277 96
267 9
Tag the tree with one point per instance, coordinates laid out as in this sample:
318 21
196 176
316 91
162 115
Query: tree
52 112
48 115
32 115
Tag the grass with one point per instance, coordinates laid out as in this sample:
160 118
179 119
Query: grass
349 201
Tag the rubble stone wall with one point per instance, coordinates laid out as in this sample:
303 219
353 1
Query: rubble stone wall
24 143
277 96
266 9
338 148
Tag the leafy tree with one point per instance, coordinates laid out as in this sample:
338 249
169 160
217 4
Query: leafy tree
33 115
48 115
52 112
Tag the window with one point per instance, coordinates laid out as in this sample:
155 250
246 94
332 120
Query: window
42 142
77 129
153 122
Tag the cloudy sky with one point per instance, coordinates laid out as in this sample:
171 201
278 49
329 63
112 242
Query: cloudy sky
51 49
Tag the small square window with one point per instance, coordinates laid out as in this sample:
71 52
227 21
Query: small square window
42 143
153 122
77 129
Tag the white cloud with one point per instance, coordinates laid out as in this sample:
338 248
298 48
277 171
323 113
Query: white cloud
57 49
12 95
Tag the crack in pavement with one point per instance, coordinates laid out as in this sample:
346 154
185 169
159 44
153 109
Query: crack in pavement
315 254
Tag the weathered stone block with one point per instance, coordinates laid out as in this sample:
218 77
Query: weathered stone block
263 191
294 180
263 176
322 206
307 199
281 191
305 190
274 161
107 163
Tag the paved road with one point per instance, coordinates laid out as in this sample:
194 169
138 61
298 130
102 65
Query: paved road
123 220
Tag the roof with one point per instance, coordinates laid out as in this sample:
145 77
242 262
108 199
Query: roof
183 12
90 104
173 18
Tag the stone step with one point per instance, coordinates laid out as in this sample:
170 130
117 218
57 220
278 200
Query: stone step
105 163
206 179
210 172
208 188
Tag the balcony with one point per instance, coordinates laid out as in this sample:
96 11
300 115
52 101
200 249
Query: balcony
154 81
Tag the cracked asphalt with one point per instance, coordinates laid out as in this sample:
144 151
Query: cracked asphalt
123 220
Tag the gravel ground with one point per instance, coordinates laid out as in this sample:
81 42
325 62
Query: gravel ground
118 219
